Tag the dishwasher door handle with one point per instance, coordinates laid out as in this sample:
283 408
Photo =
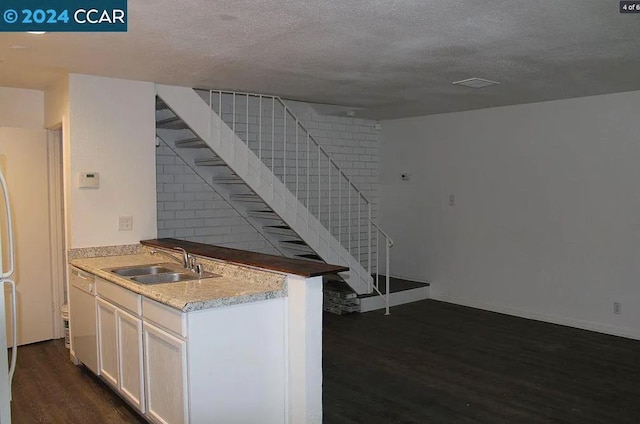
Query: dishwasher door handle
81 274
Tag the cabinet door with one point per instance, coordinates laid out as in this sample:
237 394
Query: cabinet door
130 358
107 342
166 376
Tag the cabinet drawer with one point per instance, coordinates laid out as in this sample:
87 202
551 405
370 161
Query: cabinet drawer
164 316
120 296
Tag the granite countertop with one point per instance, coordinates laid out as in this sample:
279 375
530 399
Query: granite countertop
236 284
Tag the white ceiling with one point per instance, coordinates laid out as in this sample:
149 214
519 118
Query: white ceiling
388 58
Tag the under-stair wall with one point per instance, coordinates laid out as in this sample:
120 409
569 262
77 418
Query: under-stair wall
191 210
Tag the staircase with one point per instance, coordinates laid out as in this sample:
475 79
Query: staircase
270 169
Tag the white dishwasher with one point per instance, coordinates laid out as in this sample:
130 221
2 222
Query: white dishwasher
82 318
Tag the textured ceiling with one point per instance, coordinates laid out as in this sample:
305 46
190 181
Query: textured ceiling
388 59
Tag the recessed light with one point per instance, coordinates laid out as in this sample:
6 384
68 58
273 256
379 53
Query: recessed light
476 83
37 32
18 47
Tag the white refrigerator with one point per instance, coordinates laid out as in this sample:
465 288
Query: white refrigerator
7 367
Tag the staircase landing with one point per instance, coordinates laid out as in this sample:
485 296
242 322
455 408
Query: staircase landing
340 299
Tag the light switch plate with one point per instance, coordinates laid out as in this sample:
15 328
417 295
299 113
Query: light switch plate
125 223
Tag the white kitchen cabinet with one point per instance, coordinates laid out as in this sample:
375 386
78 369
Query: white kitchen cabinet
215 365
107 342
224 364
130 354
166 376
120 341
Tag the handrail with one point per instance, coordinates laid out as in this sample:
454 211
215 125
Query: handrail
338 203
311 137
327 155
389 239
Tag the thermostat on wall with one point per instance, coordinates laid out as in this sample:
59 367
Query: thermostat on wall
89 180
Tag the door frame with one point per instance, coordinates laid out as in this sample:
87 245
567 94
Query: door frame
57 240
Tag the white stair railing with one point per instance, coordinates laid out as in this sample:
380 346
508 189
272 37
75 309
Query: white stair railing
272 131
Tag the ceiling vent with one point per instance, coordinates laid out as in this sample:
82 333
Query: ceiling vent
476 83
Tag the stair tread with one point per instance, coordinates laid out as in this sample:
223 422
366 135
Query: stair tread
280 230
210 162
310 257
269 215
297 245
194 142
247 198
228 180
173 123
298 242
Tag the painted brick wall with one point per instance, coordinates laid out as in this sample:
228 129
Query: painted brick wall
189 209
351 142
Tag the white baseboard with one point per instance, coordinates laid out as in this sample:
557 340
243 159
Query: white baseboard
570 322
368 304
417 280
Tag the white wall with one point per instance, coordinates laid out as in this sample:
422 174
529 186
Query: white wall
56 103
351 142
112 132
56 113
547 217
20 108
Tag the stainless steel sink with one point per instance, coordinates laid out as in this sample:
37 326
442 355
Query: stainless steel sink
171 277
159 273
131 271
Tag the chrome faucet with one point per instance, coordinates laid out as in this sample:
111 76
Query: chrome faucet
188 260
167 254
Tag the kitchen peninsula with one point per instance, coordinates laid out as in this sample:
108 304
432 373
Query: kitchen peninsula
240 340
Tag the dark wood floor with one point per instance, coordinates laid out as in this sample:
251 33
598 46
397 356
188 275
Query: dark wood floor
429 362
48 388
433 362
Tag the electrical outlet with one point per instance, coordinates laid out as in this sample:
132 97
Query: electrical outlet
125 223
617 308
452 200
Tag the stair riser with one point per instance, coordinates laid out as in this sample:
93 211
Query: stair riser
398 298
